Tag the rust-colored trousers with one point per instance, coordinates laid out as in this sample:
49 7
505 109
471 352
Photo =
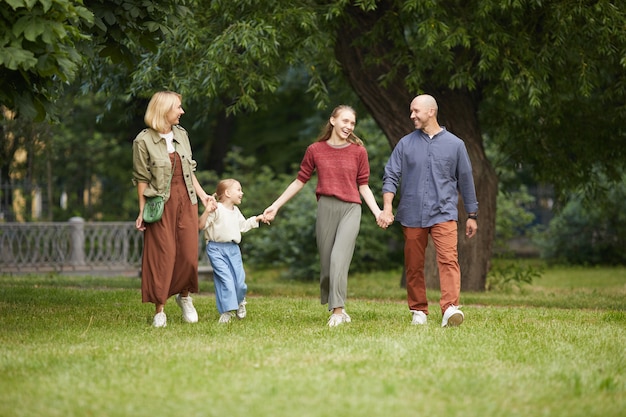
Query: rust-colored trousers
445 238
170 247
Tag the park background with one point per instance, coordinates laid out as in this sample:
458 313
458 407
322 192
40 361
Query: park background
537 91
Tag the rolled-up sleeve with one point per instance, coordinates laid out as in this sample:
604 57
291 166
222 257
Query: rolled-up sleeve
141 163
393 170
466 181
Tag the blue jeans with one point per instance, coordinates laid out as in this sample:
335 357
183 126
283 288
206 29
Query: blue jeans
229 276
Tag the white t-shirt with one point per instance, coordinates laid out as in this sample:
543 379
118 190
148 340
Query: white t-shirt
169 140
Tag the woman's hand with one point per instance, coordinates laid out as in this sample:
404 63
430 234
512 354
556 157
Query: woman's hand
139 223
210 203
270 213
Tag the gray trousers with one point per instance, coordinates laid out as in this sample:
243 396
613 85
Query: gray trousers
336 228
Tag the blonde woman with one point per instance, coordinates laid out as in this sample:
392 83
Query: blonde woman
342 167
169 263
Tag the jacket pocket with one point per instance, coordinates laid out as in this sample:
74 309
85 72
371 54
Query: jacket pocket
161 169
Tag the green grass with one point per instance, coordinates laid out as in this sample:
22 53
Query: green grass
83 346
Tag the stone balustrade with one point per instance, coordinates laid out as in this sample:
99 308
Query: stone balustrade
75 246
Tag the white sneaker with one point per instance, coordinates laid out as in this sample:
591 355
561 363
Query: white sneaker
241 311
346 317
335 320
225 317
160 320
419 317
190 315
452 317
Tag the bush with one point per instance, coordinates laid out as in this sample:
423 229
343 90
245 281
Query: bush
506 275
513 218
588 232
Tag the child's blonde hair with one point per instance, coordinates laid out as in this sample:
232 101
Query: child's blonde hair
222 186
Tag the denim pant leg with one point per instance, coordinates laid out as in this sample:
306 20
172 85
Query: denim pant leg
224 274
241 288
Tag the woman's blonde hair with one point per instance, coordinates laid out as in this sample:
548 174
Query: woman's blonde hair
328 129
158 107
222 186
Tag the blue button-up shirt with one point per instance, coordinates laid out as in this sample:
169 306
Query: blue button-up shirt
430 173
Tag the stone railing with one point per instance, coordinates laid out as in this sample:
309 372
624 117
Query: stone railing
75 246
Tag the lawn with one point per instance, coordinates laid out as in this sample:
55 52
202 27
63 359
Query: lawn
83 346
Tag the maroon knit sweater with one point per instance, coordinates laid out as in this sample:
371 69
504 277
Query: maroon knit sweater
340 171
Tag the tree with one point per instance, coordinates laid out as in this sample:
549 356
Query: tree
44 44
523 74
544 82
39 51
47 46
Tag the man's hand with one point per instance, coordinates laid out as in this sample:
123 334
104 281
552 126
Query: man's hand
471 227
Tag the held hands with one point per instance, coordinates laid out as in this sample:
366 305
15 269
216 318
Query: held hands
262 218
384 219
269 214
209 203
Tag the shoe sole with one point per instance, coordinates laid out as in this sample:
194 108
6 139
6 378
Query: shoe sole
455 320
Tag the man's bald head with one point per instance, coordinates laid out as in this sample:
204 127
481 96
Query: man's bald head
426 101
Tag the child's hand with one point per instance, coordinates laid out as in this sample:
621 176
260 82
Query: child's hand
262 218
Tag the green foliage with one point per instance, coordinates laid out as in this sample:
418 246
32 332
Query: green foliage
506 275
48 43
528 67
289 122
513 216
587 233
38 51
513 221
239 50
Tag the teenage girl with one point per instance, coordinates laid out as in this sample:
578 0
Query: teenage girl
343 170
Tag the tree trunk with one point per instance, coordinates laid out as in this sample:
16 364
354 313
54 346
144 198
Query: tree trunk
389 106
223 133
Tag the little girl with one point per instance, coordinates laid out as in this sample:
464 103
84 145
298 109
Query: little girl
223 225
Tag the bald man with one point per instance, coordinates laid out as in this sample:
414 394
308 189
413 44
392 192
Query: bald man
431 167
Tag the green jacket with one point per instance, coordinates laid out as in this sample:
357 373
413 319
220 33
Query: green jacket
151 162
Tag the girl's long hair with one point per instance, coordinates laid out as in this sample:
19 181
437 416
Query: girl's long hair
156 113
328 129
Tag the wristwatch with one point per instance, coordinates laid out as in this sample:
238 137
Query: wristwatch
473 216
